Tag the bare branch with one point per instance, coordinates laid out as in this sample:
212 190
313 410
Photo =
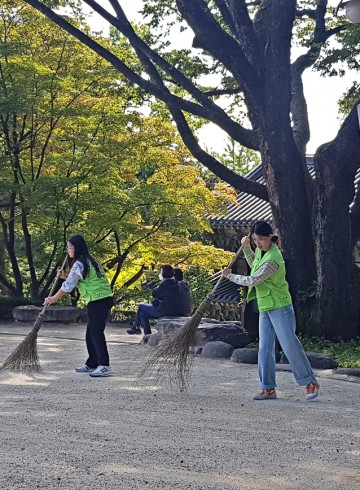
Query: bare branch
7 284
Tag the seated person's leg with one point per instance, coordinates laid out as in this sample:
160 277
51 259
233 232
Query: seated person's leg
146 313
136 330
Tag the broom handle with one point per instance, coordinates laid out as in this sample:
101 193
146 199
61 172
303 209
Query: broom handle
53 287
222 277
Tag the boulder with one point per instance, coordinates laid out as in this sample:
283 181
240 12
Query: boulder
348 371
217 350
249 356
167 324
246 356
228 332
152 339
57 313
209 330
317 361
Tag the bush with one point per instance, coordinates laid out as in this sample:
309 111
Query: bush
8 303
199 280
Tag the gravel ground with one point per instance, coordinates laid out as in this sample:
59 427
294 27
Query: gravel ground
64 430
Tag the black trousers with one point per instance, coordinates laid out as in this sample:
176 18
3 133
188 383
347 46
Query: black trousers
98 312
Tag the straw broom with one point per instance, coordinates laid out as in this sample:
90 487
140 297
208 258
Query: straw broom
25 356
172 356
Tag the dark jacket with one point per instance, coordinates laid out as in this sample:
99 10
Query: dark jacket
166 298
186 299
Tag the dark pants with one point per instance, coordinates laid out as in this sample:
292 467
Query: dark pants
144 314
98 312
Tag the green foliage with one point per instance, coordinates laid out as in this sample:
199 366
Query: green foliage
200 284
238 158
83 159
346 354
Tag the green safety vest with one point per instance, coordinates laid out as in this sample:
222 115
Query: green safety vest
93 288
274 292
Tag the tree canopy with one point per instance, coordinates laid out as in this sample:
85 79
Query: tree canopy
79 156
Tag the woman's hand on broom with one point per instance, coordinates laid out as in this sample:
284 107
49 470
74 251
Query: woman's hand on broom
61 274
226 271
50 300
245 241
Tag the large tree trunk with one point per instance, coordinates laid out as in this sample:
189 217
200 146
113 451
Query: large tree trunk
291 212
336 312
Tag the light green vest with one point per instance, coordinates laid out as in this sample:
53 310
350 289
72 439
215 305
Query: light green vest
93 288
274 292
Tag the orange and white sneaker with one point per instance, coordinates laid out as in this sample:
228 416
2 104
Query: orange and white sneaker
312 390
266 395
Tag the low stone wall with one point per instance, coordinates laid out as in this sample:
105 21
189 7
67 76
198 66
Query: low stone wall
60 314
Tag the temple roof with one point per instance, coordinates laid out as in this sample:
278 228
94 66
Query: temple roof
247 209
227 292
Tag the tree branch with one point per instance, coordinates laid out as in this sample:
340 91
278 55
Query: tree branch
343 152
301 128
218 92
249 138
7 284
134 278
224 173
220 44
225 13
246 35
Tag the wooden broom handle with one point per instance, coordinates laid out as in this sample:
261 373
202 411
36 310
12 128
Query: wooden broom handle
53 286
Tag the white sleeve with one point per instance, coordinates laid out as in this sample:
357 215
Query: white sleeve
75 274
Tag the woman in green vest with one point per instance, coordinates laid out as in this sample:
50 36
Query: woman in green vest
268 286
89 277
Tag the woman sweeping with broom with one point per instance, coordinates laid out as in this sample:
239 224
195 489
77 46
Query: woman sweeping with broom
88 276
268 286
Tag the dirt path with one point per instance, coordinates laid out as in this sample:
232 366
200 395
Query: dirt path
62 430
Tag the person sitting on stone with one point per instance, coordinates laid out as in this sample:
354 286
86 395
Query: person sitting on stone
165 302
186 300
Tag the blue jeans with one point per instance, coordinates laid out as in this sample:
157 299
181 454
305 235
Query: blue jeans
281 323
144 314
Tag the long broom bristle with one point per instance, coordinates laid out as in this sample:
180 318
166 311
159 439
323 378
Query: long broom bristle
25 356
172 357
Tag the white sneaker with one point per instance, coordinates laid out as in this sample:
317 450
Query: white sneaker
102 371
84 369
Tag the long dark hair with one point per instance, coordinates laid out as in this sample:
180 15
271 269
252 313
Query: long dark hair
262 228
82 255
